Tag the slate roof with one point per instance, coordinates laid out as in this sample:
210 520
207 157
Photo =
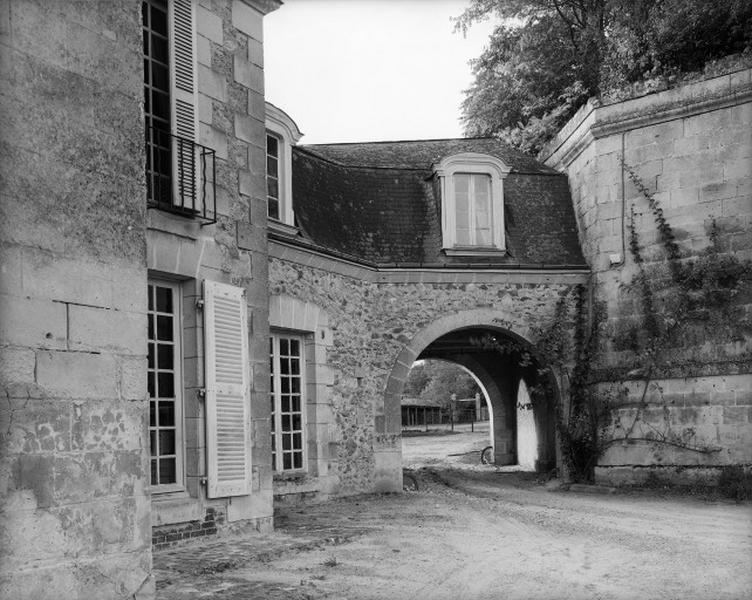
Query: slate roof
379 203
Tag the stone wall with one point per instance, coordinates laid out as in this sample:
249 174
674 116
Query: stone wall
691 147
74 502
375 319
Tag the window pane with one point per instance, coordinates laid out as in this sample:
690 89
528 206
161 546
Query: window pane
159 20
272 145
286 461
297 441
164 299
150 385
285 381
272 187
166 414
294 347
286 422
273 208
271 166
297 461
152 415
166 442
151 356
285 404
462 184
153 442
295 404
160 77
286 441
167 470
154 478
295 385
158 48
151 326
166 386
165 355
160 107
297 422
164 328
284 346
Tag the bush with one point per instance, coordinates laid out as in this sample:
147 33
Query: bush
735 483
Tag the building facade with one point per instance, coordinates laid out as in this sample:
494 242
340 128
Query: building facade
200 318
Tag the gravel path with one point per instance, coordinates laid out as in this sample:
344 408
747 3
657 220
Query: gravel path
479 534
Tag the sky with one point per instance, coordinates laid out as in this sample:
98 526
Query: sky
370 70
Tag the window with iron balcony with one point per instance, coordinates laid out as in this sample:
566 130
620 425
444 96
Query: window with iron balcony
180 173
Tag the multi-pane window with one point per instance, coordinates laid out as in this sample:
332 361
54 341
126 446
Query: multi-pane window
272 176
157 100
287 402
164 385
473 209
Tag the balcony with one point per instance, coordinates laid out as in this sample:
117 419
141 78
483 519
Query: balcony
180 176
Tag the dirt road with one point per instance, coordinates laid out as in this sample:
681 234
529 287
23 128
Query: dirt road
479 534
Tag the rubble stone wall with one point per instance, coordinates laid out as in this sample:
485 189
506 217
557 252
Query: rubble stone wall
74 501
691 147
374 318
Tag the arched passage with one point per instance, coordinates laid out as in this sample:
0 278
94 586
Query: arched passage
514 379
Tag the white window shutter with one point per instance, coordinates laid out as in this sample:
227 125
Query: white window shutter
184 102
228 443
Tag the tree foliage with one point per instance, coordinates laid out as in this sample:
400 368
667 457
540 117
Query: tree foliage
434 382
547 57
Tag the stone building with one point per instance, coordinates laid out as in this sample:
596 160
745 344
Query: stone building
200 317
133 193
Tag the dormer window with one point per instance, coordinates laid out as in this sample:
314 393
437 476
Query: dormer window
281 134
472 202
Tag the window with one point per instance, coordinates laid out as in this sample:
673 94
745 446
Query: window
164 385
472 200
177 168
272 176
287 402
281 134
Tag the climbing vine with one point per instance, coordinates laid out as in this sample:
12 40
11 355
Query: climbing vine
676 293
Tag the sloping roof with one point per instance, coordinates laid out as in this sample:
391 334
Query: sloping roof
421 154
379 203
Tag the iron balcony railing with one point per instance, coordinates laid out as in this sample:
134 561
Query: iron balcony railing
180 176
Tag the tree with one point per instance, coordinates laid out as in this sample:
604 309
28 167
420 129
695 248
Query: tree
547 57
434 381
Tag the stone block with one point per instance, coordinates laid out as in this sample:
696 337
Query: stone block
248 20
133 378
249 129
212 83
91 476
77 374
203 51
214 139
256 52
114 426
209 25
33 323
91 328
34 426
48 276
17 365
248 74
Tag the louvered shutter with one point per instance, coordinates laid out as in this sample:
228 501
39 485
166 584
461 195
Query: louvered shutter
228 446
184 104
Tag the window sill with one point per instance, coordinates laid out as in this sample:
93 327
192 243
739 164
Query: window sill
291 476
282 228
497 252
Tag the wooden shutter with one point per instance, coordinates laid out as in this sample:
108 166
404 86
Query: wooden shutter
228 443
184 104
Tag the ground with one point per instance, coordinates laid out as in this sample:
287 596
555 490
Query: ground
472 532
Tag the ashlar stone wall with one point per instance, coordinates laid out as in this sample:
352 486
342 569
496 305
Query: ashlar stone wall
373 320
691 147
74 502
231 114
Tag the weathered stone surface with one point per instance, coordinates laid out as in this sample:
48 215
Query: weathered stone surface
691 150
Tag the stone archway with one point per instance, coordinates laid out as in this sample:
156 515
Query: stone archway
448 338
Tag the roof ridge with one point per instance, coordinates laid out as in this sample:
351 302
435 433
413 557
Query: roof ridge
414 141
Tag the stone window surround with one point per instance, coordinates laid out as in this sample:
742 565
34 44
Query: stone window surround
281 126
289 315
470 162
